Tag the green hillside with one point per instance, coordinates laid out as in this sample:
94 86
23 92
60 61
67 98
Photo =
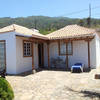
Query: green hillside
46 24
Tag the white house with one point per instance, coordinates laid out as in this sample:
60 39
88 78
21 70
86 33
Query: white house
23 49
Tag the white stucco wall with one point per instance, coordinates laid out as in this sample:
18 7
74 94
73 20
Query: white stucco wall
97 39
36 55
10 51
24 63
93 53
80 53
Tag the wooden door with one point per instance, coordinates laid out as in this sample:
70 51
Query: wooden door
41 55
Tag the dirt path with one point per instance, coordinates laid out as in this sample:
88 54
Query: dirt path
56 85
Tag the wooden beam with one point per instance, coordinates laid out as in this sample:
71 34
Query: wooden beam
59 47
48 55
88 43
42 55
66 56
73 39
37 40
32 56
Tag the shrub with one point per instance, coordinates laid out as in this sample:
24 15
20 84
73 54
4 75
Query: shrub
6 92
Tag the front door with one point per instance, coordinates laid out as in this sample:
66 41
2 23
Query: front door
2 56
41 55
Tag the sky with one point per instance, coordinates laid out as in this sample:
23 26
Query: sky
52 8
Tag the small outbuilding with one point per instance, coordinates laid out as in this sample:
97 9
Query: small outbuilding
23 49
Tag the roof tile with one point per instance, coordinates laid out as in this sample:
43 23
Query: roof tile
71 31
21 30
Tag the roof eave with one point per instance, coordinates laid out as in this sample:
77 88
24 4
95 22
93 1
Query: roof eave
70 37
40 37
7 31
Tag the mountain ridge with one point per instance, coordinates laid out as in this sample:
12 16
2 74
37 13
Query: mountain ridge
46 24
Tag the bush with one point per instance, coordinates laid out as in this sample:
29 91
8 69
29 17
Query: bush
6 92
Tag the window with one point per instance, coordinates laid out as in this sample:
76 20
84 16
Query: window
2 55
69 48
27 46
63 50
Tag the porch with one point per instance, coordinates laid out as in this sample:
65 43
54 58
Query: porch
61 54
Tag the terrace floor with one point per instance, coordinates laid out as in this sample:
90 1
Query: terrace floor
56 85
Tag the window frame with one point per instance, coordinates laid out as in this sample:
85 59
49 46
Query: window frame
59 47
27 41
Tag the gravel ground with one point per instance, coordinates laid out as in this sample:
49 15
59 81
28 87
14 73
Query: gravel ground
56 85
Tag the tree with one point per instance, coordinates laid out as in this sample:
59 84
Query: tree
6 92
89 21
81 22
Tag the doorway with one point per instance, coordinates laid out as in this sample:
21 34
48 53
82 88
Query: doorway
40 55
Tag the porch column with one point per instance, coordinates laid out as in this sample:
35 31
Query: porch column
32 56
48 55
88 43
88 46
66 55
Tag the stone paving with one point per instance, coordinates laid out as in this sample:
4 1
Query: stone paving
56 85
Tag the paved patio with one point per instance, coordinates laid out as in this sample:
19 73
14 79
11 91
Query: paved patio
56 85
